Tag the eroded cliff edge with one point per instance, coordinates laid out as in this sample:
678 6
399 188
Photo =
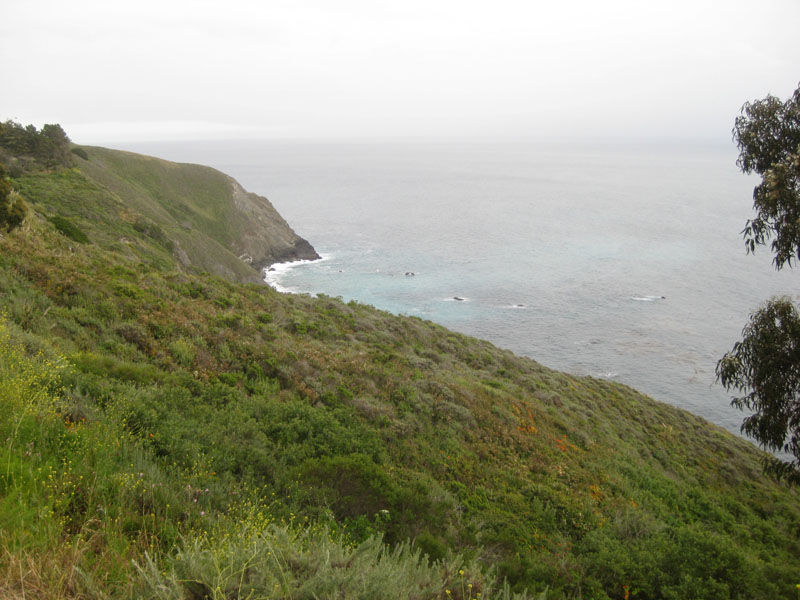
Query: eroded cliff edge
266 237
212 222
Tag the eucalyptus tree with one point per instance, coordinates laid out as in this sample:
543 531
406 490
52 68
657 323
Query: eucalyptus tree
763 369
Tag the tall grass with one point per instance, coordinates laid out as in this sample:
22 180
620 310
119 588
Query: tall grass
289 563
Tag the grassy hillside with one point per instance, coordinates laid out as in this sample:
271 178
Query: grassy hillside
173 434
197 216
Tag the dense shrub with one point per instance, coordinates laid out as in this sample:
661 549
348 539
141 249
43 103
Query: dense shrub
152 230
12 208
80 152
66 227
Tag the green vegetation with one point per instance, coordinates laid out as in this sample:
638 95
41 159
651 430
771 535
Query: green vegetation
12 207
50 146
201 218
78 151
69 229
764 368
172 434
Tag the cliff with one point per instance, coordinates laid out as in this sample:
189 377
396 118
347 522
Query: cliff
207 219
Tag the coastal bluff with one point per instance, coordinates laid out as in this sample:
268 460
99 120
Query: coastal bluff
209 221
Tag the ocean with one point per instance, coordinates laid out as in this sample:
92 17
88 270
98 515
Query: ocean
616 260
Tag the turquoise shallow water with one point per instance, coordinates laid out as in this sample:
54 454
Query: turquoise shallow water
616 261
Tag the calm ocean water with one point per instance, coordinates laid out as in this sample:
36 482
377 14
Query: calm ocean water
616 261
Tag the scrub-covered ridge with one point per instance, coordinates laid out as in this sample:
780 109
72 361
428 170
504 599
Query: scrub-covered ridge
169 432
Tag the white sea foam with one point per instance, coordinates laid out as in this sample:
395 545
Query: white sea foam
274 274
647 298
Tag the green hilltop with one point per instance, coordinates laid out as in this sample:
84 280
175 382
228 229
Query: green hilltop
169 429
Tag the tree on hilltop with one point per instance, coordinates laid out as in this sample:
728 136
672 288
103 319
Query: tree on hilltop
18 139
49 146
53 144
764 368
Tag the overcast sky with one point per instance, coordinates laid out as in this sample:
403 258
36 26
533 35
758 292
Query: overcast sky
124 71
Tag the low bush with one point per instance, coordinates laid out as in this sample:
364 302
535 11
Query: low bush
66 227
80 152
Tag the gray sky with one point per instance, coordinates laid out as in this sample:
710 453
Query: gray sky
112 70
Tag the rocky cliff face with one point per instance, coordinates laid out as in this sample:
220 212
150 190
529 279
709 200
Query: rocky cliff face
266 238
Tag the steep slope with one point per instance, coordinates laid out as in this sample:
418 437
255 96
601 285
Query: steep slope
204 218
195 421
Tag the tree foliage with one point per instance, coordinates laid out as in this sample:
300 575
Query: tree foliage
768 135
764 368
12 207
50 145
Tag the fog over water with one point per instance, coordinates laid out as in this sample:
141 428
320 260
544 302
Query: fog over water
612 260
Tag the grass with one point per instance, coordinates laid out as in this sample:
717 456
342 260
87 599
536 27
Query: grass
166 429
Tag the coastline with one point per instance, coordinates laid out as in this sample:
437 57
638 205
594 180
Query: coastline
273 273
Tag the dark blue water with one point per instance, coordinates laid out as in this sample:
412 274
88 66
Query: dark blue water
611 260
